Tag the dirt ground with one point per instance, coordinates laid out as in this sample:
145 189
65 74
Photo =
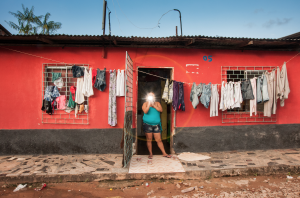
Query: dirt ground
252 186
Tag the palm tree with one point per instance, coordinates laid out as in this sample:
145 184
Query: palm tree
48 27
26 19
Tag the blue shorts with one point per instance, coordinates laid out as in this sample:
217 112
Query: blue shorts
151 128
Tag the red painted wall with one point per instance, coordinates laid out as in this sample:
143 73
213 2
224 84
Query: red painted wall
21 86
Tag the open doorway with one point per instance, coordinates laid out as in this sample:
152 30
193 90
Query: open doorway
148 83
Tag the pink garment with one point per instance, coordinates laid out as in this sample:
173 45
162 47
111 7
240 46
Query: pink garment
253 107
61 102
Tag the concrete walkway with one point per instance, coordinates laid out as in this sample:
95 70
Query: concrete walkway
63 168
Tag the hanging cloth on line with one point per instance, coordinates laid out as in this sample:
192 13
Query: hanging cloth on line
120 83
283 87
214 101
55 76
206 93
71 102
100 83
79 98
170 96
181 104
175 96
59 82
166 91
112 106
87 87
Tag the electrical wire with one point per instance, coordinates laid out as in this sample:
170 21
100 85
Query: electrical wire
117 17
141 27
293 57
133 69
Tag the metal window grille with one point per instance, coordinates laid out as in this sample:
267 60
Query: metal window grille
128 134
242 114
60 116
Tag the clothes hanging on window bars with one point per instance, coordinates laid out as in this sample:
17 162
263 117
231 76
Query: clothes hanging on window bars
59 82
55 76
87 87
270 76
223 103
79 98
238 99
253 103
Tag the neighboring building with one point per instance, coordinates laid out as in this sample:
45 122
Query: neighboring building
188 59
4 31
292 36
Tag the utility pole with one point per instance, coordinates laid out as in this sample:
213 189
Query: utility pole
109 20
104 16
180 19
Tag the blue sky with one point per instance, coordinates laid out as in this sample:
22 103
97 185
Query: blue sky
232 18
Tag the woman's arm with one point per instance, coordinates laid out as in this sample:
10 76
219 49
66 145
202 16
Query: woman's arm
157 106
146 107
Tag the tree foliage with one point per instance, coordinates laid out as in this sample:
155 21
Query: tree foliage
29 23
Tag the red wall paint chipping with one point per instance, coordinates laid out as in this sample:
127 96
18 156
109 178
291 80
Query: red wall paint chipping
21 86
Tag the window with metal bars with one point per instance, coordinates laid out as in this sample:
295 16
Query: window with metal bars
60 116
242 114
239 75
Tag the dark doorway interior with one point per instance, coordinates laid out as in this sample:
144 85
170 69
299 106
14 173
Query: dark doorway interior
146 84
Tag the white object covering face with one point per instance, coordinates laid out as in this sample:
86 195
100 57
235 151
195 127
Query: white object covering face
87 88
120 83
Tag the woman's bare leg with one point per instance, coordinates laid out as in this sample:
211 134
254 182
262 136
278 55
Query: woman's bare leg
149 143
157 138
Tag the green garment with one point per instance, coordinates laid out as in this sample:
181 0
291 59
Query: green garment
152 117
71 102
55 76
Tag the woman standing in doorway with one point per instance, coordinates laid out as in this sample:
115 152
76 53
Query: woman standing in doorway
152 124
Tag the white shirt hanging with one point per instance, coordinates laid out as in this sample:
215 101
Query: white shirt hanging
87 88
229 96
223 104
79 97
238 99
120 83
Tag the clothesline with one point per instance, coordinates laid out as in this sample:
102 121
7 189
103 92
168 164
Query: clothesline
71 65
167 78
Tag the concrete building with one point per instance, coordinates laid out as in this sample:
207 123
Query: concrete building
26 60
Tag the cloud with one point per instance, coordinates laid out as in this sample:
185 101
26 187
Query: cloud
277 22
250 25
258 10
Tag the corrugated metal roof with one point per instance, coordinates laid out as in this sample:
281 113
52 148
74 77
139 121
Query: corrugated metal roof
207 42
292 36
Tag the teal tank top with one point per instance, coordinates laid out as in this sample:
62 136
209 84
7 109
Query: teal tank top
152 117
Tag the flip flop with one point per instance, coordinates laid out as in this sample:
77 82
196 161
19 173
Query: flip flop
150 156
168 156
